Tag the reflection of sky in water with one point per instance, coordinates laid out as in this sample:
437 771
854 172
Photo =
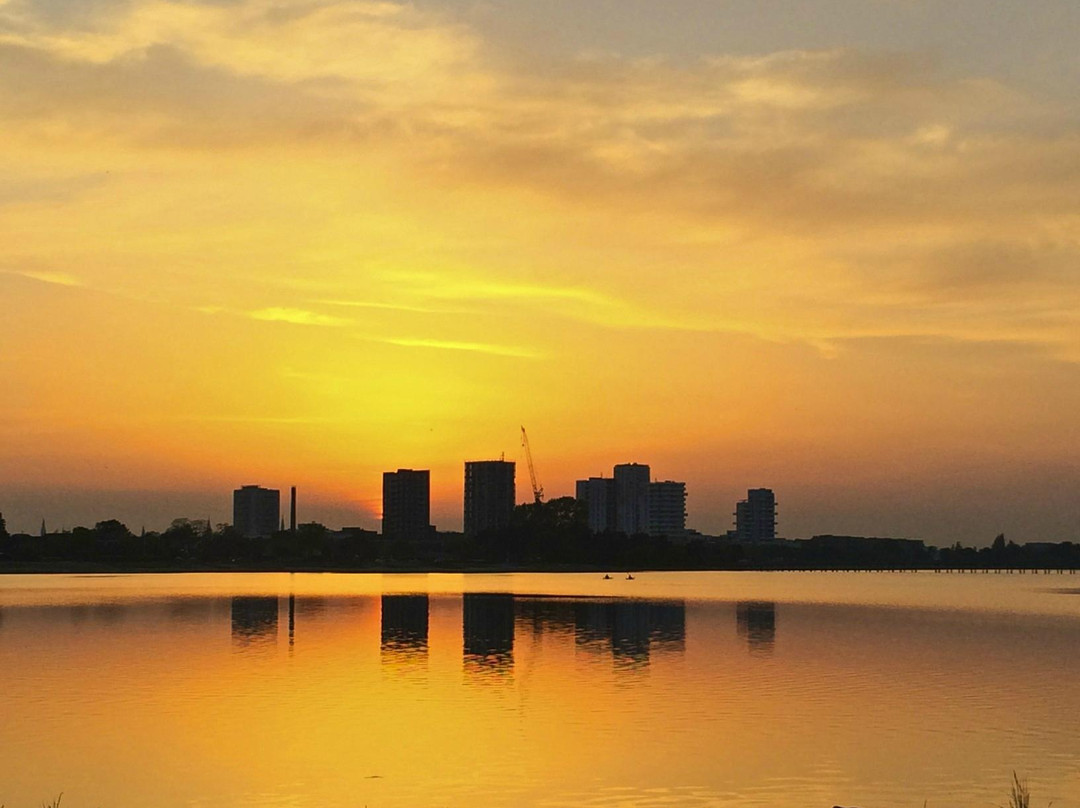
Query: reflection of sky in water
404 698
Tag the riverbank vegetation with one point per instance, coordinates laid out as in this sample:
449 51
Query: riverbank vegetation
547 536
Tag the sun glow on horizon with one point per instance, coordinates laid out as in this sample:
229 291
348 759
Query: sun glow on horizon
320 241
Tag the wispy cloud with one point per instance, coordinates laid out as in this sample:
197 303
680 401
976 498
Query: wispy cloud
450 345
57 278
298 317
457 287
369 304
799 194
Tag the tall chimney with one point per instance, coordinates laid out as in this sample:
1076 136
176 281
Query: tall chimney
292 510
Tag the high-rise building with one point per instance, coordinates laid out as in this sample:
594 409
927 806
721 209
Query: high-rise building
632 498
629 503
667 509
256 511
755 516
489 495
406 502
598 494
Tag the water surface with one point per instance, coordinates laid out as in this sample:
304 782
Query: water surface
697 689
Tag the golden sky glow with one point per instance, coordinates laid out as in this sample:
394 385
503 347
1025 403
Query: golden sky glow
308 241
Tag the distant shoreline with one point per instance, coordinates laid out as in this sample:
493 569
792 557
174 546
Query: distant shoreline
62 568
89 568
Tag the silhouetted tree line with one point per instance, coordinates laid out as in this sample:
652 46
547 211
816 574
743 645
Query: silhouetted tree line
552 534
187 543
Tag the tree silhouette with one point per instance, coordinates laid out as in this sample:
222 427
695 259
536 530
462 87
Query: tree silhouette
112 530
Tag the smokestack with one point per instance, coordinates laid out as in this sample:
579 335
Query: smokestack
292 510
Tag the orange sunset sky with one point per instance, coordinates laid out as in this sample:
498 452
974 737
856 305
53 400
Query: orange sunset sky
829 247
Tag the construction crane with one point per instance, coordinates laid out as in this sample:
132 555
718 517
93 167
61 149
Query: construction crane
538 490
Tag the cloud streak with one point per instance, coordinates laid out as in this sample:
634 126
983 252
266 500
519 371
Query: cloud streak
450 345
277 314
856 193
54 278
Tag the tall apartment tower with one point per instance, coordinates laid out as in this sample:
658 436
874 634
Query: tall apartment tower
489 495
755 516
632 498
406 502
667 509
256 511
598 495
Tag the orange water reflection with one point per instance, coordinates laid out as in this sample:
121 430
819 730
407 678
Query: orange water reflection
278 690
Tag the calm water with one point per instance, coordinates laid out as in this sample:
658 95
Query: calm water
695 689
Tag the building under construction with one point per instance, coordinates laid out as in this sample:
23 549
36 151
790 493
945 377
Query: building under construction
489 495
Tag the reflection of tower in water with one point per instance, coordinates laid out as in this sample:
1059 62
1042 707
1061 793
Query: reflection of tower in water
292 608
756 622
487 628
629 633
254 620
632 628
404 626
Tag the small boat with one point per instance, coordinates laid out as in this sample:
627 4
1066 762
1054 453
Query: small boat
607 577
629 577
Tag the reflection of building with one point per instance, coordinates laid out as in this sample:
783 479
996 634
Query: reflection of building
405 624
756 622
254 619
256 511
667 509
292 615
406 504
755 516
546 615
489 495
630 628
631 498
488 630
598 494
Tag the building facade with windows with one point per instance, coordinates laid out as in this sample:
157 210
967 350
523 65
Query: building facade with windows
256 511
632 498
598 495
755 516
489 495
667 509
406 504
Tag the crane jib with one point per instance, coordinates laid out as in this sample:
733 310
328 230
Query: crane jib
538 490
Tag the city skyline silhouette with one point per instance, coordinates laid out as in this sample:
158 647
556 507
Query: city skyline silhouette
513 403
